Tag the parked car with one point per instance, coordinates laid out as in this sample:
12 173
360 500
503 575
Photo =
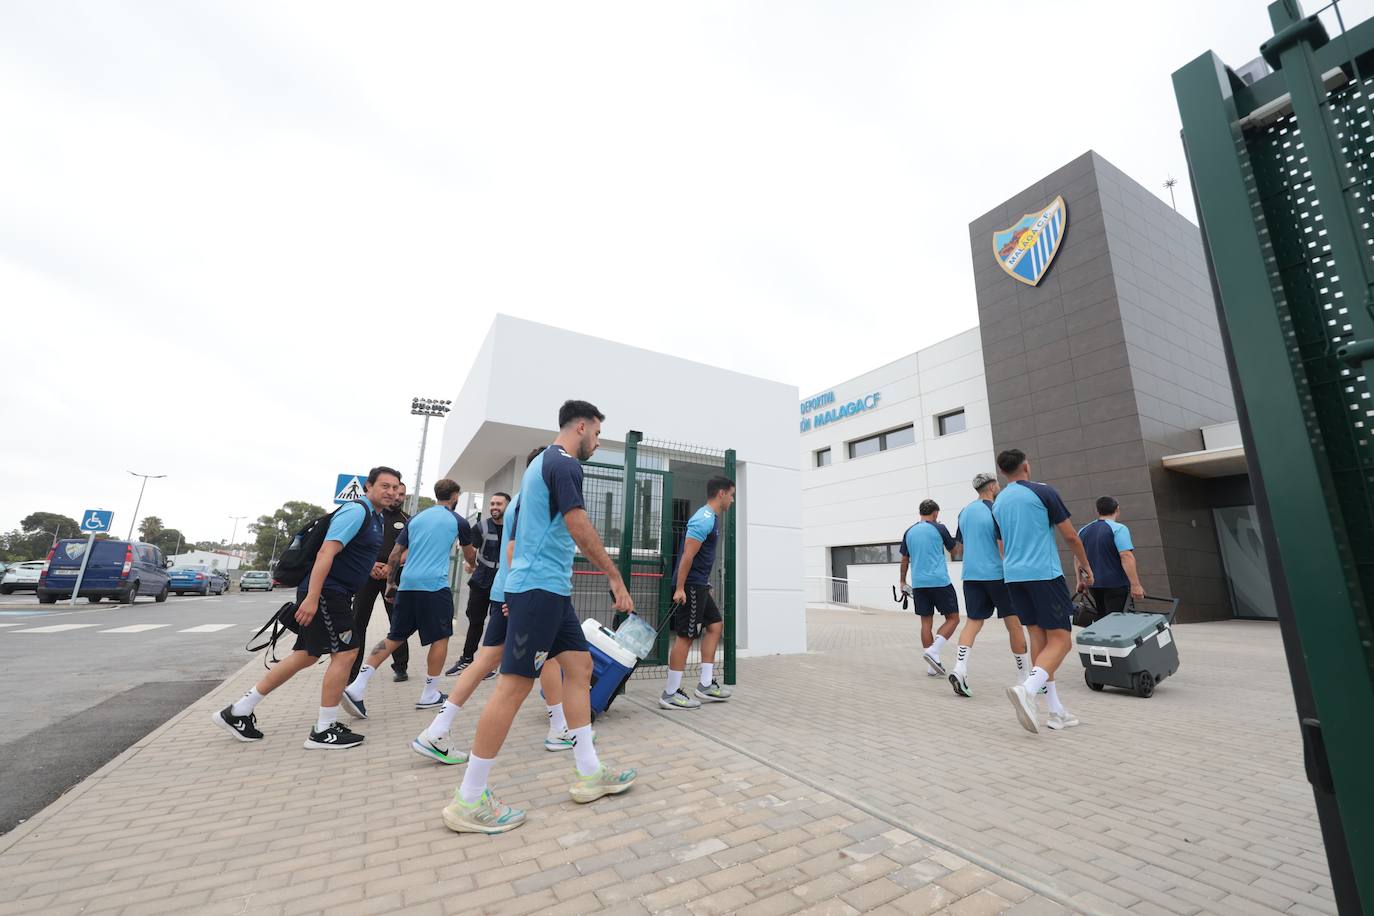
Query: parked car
21 577
199 580
122 570
256 580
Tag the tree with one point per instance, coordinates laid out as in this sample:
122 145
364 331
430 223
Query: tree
424 503
169 540
35 535
150 528
279 527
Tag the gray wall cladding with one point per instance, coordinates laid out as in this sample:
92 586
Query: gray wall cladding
1112 362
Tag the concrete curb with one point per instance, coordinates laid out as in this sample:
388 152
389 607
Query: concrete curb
9 840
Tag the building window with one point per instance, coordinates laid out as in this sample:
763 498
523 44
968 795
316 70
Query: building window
871 445
952 422
823 458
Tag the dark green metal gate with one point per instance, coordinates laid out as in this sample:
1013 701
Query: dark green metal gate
1282 172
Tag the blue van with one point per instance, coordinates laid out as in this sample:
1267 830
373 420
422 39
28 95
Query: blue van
122 570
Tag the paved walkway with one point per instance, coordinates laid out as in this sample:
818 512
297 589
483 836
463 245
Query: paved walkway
837 783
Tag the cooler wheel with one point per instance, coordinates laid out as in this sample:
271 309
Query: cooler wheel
1144 685
1092 685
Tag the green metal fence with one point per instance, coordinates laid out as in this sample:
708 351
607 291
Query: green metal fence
1281 172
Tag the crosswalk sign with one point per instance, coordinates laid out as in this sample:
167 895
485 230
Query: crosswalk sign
349 488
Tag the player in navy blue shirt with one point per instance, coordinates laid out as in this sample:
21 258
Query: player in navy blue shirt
980 548
694 610
424 601
924 547
324 611
1111 554
1028 513
542 624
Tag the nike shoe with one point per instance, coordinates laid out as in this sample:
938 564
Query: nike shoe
422 703
1058 720
458 666
244 728
713 693
933 662
486 815
1024 704
960 684
440 749
337 737
356 708
677 700
602 782
562 741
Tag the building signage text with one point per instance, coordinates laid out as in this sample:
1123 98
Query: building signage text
821 416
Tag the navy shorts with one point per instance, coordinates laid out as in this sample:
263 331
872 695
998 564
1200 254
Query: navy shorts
983 596
1045 603
541 625
429 613
941 598
496 625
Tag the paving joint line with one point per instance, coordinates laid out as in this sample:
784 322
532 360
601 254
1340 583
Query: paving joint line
1029 882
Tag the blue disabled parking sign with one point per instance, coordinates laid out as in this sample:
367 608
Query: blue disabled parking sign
96 521
349 488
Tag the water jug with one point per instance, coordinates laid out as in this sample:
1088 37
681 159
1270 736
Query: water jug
636 636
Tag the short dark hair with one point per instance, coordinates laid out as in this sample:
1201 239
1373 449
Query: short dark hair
446 489
1010 461
578 410
928 506
378 471
534 453
505 496
716 484
1106 505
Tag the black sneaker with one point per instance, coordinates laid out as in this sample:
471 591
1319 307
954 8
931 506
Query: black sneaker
400 676
431 704
458 666
244 728
355 708
336 737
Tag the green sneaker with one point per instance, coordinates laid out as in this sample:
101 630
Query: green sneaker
602 782
440 749
714 692
486 815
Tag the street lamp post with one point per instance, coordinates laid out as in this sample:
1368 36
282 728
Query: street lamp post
276 535
424 407
138 505
228 563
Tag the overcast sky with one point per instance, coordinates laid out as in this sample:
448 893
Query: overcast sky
237 238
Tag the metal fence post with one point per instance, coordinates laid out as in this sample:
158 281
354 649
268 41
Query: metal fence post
627 521
729 581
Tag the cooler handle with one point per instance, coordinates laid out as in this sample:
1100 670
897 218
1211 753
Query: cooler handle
1100 659
1173 606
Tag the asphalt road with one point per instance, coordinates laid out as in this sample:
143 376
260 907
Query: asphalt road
97 678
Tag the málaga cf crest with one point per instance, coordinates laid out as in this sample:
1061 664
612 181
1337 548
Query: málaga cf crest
1026 248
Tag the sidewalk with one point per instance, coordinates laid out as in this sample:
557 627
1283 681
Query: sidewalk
837 782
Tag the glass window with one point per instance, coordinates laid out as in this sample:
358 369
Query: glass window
952 422
870 446
899 437
823 458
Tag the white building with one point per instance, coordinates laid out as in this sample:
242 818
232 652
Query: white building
210 558
509 405
872 448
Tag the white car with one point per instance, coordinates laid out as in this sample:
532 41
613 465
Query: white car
21 577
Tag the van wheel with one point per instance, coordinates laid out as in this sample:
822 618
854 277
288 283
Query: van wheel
162 595
6 589
130 596
93 599
47 599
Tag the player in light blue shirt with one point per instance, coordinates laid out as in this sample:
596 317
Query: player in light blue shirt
542 623
980 547
923 548
1028 513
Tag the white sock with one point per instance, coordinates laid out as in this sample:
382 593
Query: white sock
328 716
431 686
584 751
557 723
936 646
674 682
708 671
1037 679
475 779
443 721
247 703
961 663
1023 664
1052 694
359 685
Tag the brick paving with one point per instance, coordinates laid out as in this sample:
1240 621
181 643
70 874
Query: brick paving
836 783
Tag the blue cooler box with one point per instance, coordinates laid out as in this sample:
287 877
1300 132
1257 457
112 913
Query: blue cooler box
611 664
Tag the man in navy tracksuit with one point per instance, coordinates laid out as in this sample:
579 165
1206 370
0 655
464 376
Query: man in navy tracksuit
1112 557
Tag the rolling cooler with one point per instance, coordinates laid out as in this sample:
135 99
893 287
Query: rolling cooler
1133 650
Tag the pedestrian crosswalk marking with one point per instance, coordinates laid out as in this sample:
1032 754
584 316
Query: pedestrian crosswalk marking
58 628
136 628
11 624
207 628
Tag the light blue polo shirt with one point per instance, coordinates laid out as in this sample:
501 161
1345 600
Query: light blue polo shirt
544 549
703 526
429 539
925 544
1026 514
979 534
498 585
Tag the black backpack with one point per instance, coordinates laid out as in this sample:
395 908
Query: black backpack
296 560
283 621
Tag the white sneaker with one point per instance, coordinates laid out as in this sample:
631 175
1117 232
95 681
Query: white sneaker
933 662
1024 704
1063 719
